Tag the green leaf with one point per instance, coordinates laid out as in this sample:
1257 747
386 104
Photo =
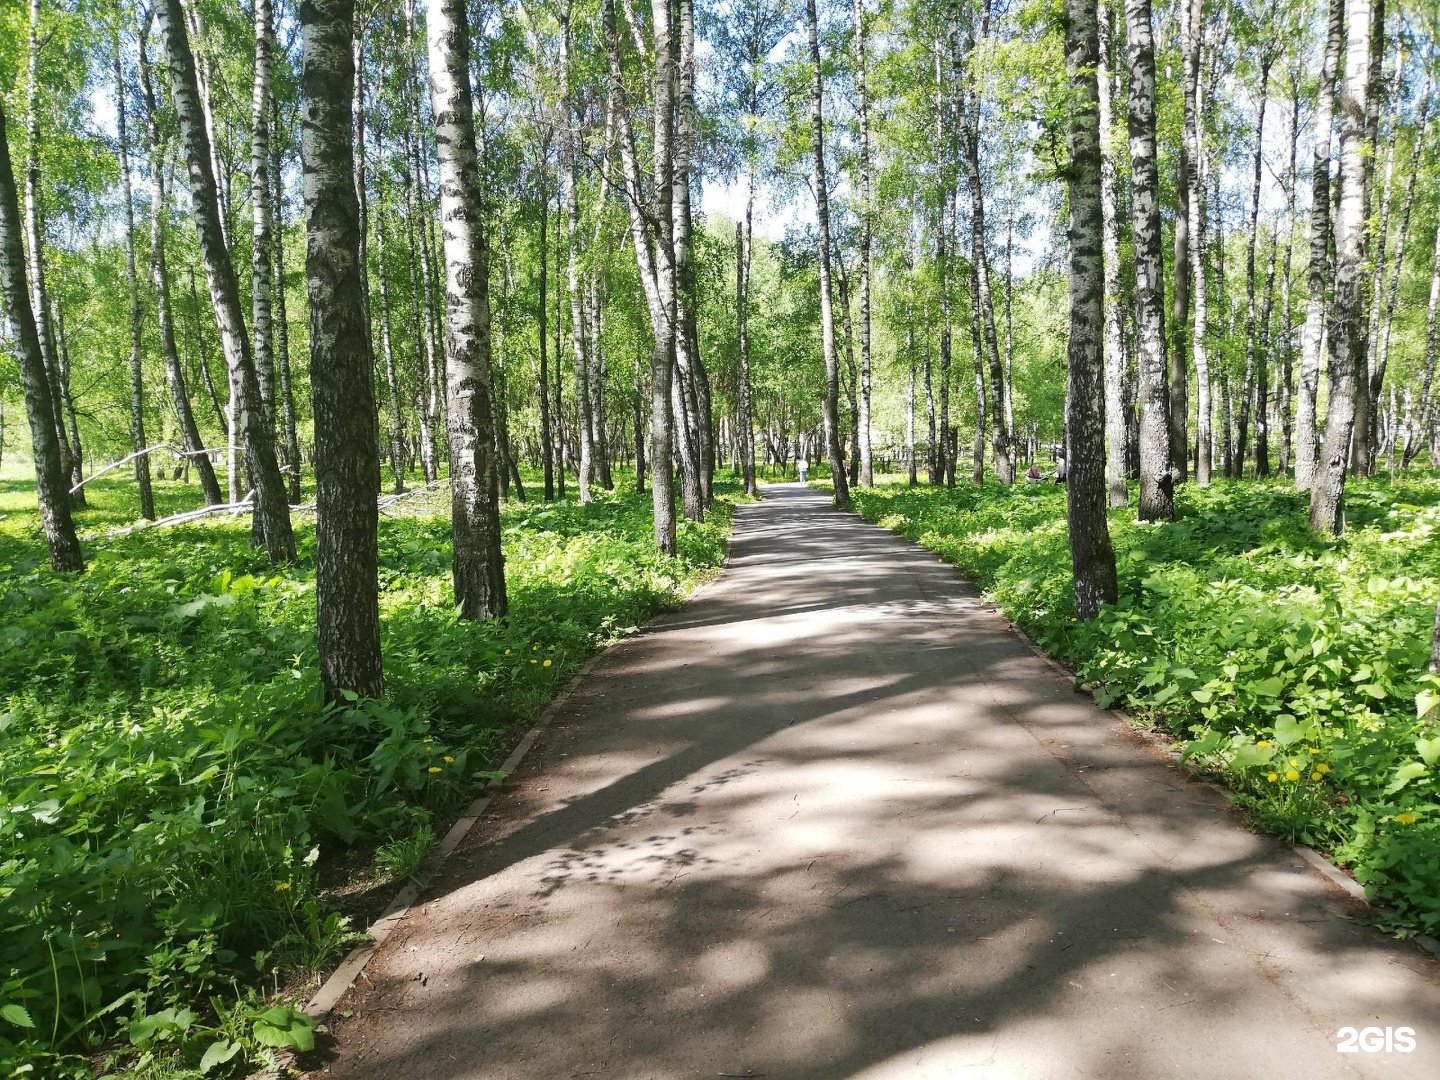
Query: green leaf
1206 744
1165 694
1202 696
1270 687
217 1053
1429 749
17 1015
1411 770
1288 730
1247 755
1379 693
1425 701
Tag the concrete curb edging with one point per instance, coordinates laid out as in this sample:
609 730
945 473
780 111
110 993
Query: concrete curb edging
1318 862
349 970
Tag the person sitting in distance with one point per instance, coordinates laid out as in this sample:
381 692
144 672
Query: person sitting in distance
1033 475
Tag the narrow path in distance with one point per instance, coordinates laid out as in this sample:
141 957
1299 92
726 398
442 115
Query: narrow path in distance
832 820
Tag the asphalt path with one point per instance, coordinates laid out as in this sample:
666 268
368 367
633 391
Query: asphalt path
833 820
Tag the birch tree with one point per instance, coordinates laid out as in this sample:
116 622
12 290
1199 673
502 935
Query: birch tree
474 477
1092 557
347 455
1307 393
1347 324
1157 478
50 478
272 513
822 216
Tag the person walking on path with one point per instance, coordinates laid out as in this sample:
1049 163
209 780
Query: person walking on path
803 468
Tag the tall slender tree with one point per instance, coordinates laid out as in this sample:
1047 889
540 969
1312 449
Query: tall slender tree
1308 392
474 476
866 212
50 477
1347 325
272 512
1092 556
160 281
1157 478
1116 488
138 442
822 216
347 454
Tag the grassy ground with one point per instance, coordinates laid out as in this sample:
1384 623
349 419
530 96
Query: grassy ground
1290 664
174 801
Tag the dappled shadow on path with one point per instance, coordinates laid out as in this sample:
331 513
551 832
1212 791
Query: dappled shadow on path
832 820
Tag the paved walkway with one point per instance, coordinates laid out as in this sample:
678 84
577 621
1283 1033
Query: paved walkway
833 821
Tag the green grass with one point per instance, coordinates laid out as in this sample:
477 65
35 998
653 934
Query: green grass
1292 665
171 787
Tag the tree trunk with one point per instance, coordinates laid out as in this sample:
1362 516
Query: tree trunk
160 282
138 440
1093 559
39 291
387 353
271 510
1117 491
262 212
1287 347
1347 328
572 120
1157 474
542 378
474 481
654 253
827 315
1420 422
977 446
1179 325
1381 345
50 479
1195 153
981 302
289 429
866 208
1306 444
1255 370
745 422
347 455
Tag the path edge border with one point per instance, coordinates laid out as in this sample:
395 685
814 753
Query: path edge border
339 982
1314 859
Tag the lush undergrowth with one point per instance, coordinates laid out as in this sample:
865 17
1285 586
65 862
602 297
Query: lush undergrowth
1293 665
171 791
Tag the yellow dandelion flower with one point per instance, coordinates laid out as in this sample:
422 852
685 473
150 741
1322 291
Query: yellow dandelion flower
282 886
507 652
545 664
534 661
1321 767
1294 763
1263 743
1314 751
1405 819
434 769
428 741
1291 774
1272 777
1317 776
448 760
